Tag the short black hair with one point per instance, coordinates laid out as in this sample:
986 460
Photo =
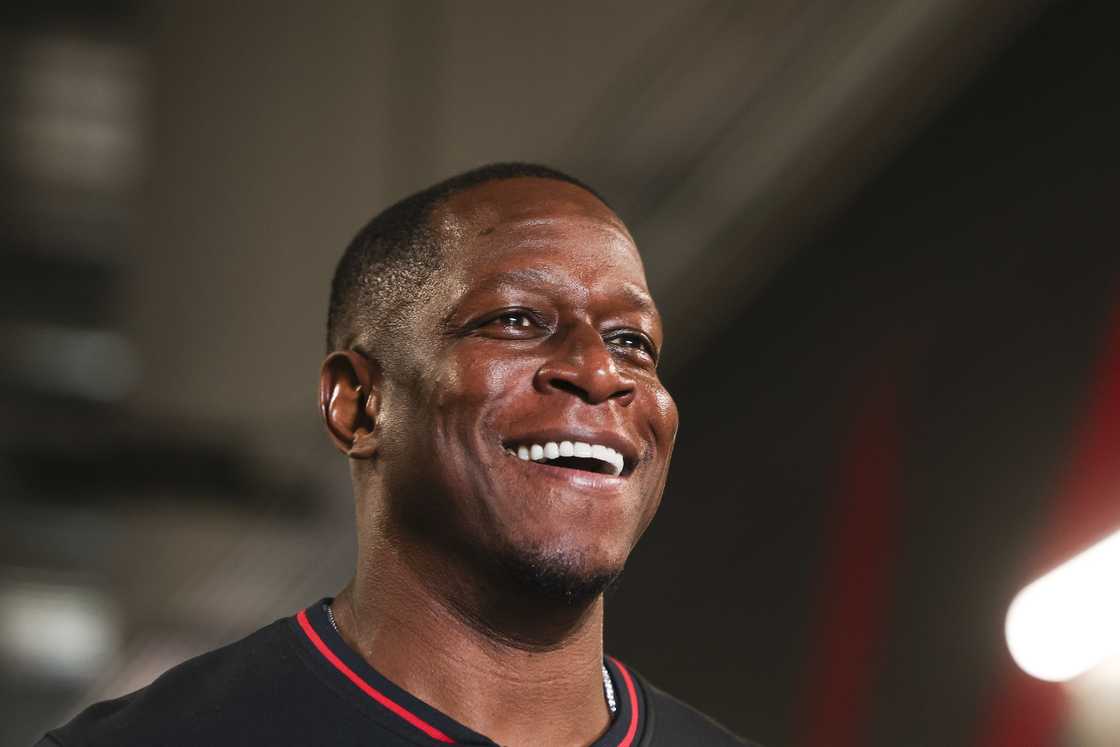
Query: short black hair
384 269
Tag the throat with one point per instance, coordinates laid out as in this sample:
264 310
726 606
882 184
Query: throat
608 685
562 694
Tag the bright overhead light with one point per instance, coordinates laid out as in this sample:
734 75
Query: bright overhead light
1068 621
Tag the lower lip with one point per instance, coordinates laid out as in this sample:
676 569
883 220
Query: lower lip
576 478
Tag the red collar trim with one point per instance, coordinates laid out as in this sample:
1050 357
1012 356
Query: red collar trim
633 695
428 729
376 694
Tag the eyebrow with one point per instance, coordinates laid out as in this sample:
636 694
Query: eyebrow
637 297
524 276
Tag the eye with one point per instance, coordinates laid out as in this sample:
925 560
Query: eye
512 323
514 320
633 342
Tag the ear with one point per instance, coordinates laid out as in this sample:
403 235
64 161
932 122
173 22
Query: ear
349 401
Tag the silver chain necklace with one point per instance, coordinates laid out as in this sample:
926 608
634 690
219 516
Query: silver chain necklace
608 686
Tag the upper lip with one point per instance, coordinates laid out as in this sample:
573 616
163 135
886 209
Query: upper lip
612 439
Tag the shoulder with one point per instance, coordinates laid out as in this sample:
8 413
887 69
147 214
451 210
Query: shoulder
198 700
674 722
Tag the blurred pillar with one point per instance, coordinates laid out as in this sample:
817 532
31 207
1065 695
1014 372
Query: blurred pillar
857 573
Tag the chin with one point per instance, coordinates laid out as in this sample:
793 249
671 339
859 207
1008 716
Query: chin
564 575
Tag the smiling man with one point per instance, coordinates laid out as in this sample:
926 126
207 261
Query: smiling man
492 380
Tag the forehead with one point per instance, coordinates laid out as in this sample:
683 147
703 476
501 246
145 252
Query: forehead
538 228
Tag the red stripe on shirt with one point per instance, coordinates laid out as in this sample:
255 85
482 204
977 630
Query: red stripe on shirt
368 689
628 739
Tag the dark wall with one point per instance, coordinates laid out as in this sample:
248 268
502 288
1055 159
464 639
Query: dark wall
970 288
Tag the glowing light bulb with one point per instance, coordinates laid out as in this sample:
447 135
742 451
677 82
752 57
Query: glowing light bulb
1068 621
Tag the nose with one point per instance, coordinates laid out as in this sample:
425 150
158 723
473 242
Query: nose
582 365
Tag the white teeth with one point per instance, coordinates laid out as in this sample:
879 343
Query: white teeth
608 455
553 450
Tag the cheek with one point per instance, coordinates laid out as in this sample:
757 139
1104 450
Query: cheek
663 424
661 417
667 412
472 389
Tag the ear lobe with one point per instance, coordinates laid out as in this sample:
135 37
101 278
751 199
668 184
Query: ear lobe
349 400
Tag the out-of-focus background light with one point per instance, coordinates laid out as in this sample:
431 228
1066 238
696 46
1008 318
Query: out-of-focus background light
57 632
1094 696
1068 621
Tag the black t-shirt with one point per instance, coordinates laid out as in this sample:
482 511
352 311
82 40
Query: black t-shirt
296 682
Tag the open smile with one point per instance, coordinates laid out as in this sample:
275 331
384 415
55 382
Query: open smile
598 453
577 455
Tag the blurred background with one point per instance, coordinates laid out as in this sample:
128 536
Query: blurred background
882 234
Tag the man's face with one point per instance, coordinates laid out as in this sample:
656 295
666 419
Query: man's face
540 340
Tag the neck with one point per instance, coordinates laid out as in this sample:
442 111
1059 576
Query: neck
520 670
